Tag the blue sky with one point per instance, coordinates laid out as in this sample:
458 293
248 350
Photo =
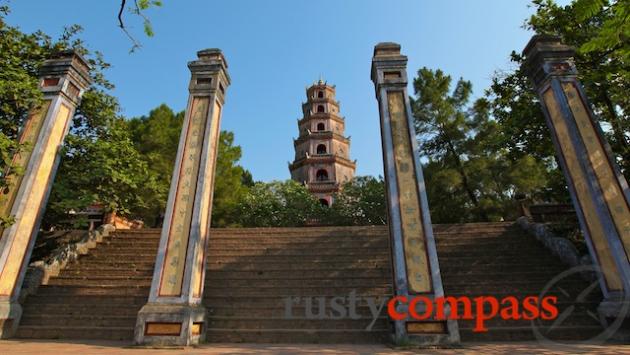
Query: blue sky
276 48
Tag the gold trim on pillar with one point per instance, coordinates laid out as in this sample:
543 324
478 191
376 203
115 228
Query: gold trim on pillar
206 203
33 201
426 327
154 328
414 240
29 135
612 191
579 179
177 246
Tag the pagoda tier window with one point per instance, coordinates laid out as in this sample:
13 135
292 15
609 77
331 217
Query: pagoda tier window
321 175
321 127
321 149
320 108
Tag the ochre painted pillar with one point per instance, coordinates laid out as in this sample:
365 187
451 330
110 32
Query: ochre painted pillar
63 80
414 257
599 191
174 314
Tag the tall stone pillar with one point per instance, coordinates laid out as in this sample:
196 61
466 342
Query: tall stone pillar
599 191
174 314
415 260
63 80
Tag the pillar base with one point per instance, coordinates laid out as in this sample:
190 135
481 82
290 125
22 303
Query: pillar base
170 324
427 334
614 312
10 315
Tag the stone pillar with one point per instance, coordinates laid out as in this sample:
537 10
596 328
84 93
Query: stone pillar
414 256
598 189
174 314
63 80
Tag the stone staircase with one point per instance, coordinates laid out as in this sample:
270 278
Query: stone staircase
251 272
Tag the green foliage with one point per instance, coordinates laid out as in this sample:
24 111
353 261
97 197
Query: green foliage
278 204
21 55
613 33
469 175
156 137
138 9
360 202
231 182
100 165
602 65
289 204
599 29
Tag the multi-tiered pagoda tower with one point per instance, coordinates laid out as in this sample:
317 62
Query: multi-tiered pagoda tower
322 153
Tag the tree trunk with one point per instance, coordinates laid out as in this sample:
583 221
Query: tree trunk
465 182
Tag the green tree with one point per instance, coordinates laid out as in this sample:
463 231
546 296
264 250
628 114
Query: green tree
21 55
361 201
100 165
469 175
613 30
599 29
278 204
443 125
231 183
156 137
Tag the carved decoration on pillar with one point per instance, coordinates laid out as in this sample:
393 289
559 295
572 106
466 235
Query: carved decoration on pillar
174 314
416 267
63 80
599 191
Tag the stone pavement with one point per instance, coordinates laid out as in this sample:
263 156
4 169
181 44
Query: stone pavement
101 347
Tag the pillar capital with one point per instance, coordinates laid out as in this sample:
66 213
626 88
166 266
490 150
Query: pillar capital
209 73
547 56
65 73
389 66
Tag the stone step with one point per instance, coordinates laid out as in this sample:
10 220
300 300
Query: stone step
269 283
251 272
106 300
108 290
445 251
296 310
74 332
298 242
213 264
98 257
295 323
88 264
247 302
317 336
273 291
298 259
107 272
383 274
72 308
77 320
536 277
458 268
